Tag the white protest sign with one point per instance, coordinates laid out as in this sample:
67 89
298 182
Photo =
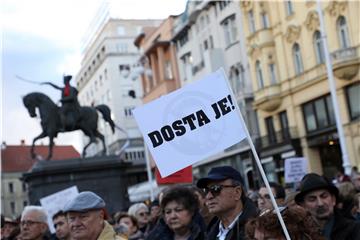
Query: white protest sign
191 123
55 202
295 169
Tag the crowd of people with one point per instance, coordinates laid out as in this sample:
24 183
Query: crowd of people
217 207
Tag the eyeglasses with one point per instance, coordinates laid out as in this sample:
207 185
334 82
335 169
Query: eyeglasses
29 223
265 196
142 214
216 189
273 211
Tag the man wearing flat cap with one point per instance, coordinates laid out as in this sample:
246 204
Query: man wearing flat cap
226 199
85 214
318 196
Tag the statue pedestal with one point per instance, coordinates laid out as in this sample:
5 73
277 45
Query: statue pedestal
107 176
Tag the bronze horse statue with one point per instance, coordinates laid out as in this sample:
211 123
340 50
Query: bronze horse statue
51 123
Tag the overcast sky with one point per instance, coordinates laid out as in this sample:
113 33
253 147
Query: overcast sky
41 40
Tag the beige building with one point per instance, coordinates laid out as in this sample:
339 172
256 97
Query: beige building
292 93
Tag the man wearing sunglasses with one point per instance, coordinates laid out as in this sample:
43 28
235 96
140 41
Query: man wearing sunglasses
226 199
319 196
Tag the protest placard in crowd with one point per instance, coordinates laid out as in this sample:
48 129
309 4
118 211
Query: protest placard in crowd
191 123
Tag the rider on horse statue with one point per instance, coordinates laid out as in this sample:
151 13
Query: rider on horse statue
70 107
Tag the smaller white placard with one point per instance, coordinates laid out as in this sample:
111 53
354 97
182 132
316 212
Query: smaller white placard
295 169
56 201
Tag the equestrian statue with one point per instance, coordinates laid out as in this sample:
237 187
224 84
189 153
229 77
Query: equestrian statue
70 116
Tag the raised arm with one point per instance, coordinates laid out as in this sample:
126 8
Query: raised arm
51 84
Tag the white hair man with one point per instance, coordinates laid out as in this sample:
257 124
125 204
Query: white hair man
33 223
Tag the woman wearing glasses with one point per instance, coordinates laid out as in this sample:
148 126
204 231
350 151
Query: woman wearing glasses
181 219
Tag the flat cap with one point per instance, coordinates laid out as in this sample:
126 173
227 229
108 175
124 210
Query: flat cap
220 173
84 202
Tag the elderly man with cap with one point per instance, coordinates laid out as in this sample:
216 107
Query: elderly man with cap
318 196
86 218
226 199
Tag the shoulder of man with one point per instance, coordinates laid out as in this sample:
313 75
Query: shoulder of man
345 228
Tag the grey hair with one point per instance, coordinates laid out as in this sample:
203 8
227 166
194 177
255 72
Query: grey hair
136 207
42 213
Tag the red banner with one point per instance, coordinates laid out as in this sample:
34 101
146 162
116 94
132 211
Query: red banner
182 176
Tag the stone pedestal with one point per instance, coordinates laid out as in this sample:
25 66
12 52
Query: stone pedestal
107 176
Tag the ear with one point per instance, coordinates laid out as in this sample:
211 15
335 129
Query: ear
238 192
44 227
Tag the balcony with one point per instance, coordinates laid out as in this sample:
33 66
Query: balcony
285 136
268 98
346 63
262 37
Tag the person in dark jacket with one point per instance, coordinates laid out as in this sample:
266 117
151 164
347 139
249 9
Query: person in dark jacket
226 199
319 196
33 223
181 218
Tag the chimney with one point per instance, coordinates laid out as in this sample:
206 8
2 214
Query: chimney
22 142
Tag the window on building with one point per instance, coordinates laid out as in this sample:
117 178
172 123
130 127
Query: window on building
242 77
251 20
230 30
122 47
120 31
319 50
269 123
272 73
259 75
284 124
12 207
183 39
128 111
297 59
223 4
289 8
235 79
343 32
265 20
24 188
211 42
353 100
206 46
318 114
11 187
168 70
105 74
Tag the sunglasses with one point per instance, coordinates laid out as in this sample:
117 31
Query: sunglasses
216 189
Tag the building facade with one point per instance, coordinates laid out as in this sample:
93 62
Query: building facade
106 77
16 160
209 35
292 94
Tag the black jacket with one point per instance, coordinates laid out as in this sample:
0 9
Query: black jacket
162 232
238 230
345 228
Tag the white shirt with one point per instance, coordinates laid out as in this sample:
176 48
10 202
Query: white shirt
224 231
